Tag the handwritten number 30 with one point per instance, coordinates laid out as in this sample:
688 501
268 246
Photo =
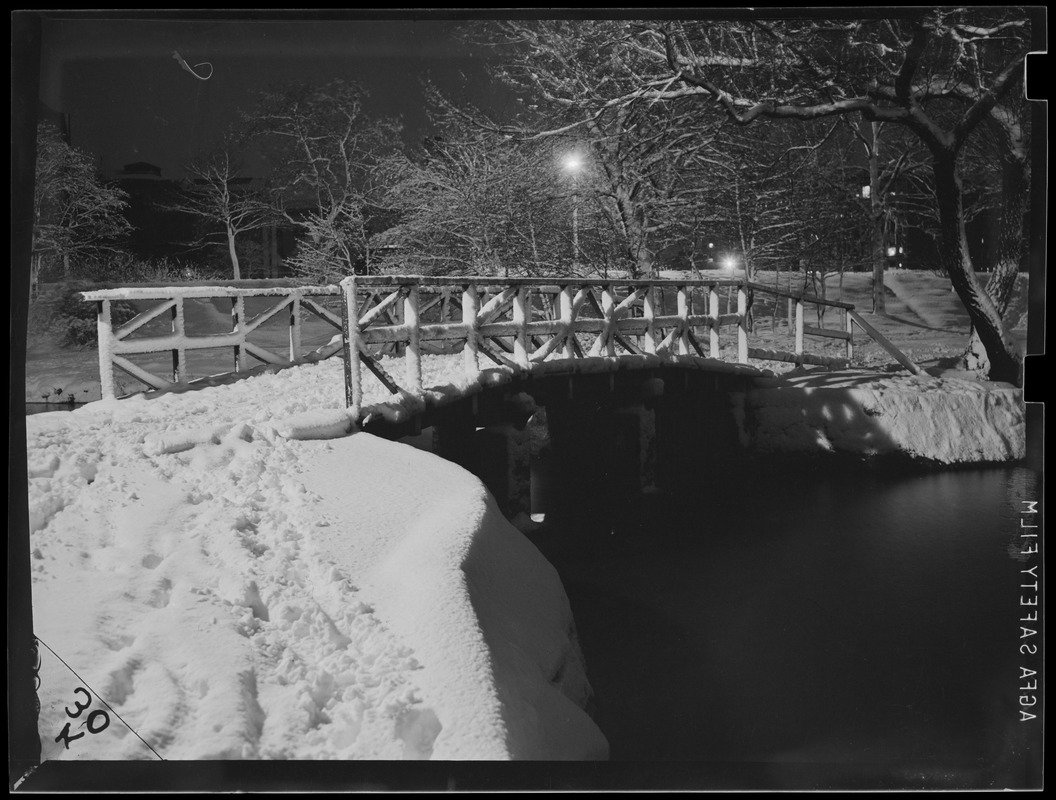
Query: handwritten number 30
77 705
96 722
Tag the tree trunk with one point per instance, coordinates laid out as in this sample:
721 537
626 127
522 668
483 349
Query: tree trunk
639 257
1006 359
1015 185
234 255
876 217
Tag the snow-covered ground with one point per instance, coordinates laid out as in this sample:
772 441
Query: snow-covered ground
230 576
231 592
942 420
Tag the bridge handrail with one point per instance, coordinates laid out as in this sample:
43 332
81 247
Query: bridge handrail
555 283
505 342
115 344
388 310
206 289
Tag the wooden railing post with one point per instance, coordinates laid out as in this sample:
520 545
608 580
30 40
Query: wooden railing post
179 354
848 325
105 331
238 316
714 311
413 356
799 327
564 300
350 337
471 352
683 321
608 309
521 312
649 313
295 328
742 325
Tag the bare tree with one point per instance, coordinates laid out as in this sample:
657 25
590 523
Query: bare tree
324 152
650 165
216 191
471 200
939 73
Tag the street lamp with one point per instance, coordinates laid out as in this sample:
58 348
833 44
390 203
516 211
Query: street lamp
573 164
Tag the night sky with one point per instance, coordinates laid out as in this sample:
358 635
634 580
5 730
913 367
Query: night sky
129 100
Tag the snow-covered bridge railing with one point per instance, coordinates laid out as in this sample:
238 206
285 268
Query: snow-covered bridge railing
116 344
518 323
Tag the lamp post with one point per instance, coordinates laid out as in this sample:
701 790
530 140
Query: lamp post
573 164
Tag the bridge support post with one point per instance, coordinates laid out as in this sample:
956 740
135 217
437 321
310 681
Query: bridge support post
603 445
504 457
453 435
696 426
491 440
634 431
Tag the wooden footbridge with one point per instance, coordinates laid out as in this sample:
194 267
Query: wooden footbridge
632 373
520 325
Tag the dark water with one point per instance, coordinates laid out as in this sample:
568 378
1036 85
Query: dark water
802 613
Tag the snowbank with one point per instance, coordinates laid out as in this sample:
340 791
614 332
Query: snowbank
467 591
232 584
944 420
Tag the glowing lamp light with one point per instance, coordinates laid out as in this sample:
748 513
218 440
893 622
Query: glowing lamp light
573 162
729 263
891 252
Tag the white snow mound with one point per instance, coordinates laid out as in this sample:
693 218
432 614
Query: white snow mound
232 584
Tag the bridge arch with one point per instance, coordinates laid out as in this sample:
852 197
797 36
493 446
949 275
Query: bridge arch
611 434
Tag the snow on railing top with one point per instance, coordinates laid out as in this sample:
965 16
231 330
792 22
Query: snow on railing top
206 289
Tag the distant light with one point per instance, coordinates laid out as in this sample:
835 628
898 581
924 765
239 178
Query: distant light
573 162
711 244
729 263
891 251
900 251
867 192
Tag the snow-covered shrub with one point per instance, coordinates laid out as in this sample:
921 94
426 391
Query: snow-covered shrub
155 270
60 312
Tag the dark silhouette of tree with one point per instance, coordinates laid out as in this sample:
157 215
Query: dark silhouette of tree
76 215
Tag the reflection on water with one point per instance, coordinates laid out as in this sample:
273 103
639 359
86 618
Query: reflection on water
790 613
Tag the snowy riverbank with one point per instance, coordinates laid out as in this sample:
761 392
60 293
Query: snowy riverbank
939 419
231 592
